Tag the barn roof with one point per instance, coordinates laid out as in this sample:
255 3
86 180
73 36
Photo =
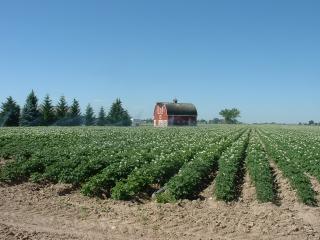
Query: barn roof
183 109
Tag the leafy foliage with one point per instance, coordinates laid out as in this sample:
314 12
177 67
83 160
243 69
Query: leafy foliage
187 183
161 169
230 165
258 166
230 115
123 163
291 169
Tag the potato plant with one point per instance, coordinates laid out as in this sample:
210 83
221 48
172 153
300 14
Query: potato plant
291 170
187 183
122 163
258 167
230 168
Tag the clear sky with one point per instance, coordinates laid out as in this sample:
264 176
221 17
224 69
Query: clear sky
262 57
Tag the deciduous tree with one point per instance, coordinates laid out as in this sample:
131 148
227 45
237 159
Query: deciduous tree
230 115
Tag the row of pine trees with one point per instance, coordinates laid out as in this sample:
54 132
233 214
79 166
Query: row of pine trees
46 114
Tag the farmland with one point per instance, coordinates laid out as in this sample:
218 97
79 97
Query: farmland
125 163
180 166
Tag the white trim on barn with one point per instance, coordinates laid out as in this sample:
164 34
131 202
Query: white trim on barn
161 123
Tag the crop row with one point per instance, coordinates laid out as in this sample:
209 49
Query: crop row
160 170
282 155
109 176
97 159
187 183
231 169
176 163
301 146
258 167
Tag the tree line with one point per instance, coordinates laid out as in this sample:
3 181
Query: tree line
310 123
47 114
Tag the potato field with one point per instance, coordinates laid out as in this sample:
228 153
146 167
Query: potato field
164 164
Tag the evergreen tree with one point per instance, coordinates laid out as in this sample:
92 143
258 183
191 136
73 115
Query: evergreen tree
102 117
62 111
47 112
117 115
30 112
89 117
74 114
126 119
10 113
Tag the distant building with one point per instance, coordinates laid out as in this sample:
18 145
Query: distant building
174 114
136 122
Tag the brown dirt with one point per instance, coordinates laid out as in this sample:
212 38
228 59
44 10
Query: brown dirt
315 186
286 194
248 191
208 192
2 162
30 211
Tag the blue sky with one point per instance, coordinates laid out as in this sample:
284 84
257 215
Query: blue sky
262 57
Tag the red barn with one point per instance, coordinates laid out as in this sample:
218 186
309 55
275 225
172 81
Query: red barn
174 114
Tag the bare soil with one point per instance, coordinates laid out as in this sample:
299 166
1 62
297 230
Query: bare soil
2 162
31 211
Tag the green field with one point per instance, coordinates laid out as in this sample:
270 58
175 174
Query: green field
125 163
